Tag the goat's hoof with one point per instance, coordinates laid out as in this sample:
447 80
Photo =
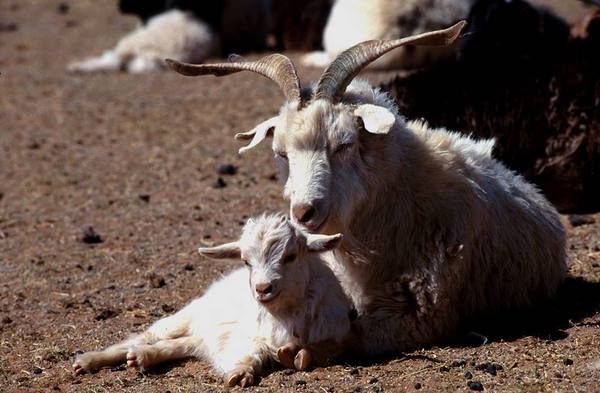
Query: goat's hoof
242 376
303 360
78 368
286 355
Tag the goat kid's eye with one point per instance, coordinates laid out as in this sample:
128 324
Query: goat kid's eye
289 258
281 154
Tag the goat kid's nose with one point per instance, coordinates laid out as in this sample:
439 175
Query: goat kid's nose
303 212
264 288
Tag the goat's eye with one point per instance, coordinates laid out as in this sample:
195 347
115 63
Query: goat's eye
289 258
342 148
281 154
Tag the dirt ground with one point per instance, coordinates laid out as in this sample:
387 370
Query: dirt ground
136 157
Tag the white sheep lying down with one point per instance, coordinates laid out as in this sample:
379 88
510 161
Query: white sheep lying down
353 21
286 305
173 33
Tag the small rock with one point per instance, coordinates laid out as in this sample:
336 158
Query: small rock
490 368
458 363
226 169
477 386
444 369
144 197
581 219
105 314
373 380
167 308
188 267
34 146
353 371
8 27
6 320
301 382
156 281
118 368
468 375
37 370
219 183
90 236
418 386
63 8
272 177
567 362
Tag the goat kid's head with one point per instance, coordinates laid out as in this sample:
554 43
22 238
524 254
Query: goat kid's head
276 251
322 143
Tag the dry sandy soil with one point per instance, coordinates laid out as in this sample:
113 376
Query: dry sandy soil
135 157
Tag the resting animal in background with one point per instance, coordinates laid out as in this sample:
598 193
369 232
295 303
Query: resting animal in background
436 231
354 21
187 30
294 310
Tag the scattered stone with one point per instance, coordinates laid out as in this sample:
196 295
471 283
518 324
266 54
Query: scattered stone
118 368
458 363
418 386
373 380
567 362
444 369
490 368
219 183
34 145
300 382
167 308
272 177
37 370
577 220
188 267
8 27
6 320
226 169
353 371
90 236
144 197
156 280
469 375
477 386
105 314
63 8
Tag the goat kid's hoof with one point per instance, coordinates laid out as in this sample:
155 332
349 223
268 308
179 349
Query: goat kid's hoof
243 377
85 363
78 368
303 360
135 359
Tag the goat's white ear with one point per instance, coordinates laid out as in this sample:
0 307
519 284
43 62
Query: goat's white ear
224 251
377 119
257 134
319 243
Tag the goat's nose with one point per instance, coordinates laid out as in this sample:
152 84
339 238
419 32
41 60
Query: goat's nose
264 288
303 212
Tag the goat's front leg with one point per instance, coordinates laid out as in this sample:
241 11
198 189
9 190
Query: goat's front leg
146 356
242 362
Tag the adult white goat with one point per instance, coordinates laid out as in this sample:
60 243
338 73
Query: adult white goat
294 310
435 230
354 21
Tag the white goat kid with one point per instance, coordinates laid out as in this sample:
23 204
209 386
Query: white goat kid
353 21
177 34
435 229
294 310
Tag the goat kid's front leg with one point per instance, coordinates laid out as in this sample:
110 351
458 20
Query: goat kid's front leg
245 370
146 356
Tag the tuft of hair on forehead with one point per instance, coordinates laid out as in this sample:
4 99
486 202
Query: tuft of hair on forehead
269 230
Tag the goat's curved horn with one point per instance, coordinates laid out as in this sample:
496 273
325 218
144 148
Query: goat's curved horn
276 67
338 75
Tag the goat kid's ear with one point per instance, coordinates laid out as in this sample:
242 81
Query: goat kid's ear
224 251
377 119
257 134
320 243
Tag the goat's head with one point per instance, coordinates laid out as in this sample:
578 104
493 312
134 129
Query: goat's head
276 252
323 145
